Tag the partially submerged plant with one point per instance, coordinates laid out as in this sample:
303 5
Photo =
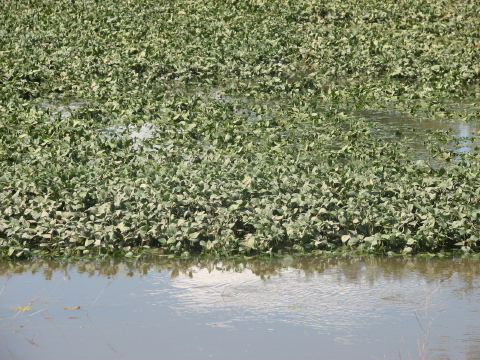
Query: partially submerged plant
235 136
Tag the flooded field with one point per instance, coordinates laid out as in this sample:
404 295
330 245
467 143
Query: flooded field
294 307
385 125
239 130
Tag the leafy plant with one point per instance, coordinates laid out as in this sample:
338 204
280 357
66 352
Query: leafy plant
235 127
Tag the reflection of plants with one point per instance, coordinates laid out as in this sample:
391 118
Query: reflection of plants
466 268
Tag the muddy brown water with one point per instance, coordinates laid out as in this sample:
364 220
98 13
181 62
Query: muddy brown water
290 308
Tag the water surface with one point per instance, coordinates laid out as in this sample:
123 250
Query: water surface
306 307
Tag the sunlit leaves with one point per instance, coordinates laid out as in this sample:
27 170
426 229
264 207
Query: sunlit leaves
233 127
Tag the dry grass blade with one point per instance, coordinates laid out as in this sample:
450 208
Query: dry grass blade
101 292
423 318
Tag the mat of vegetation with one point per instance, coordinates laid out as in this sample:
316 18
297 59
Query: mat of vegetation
229 127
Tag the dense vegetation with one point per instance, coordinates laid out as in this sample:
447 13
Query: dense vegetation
232 127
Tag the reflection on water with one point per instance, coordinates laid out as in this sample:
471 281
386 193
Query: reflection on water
386 124
389 123
64 109
240 309
466 131
415 132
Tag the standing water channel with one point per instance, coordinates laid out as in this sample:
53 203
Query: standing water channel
296 307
